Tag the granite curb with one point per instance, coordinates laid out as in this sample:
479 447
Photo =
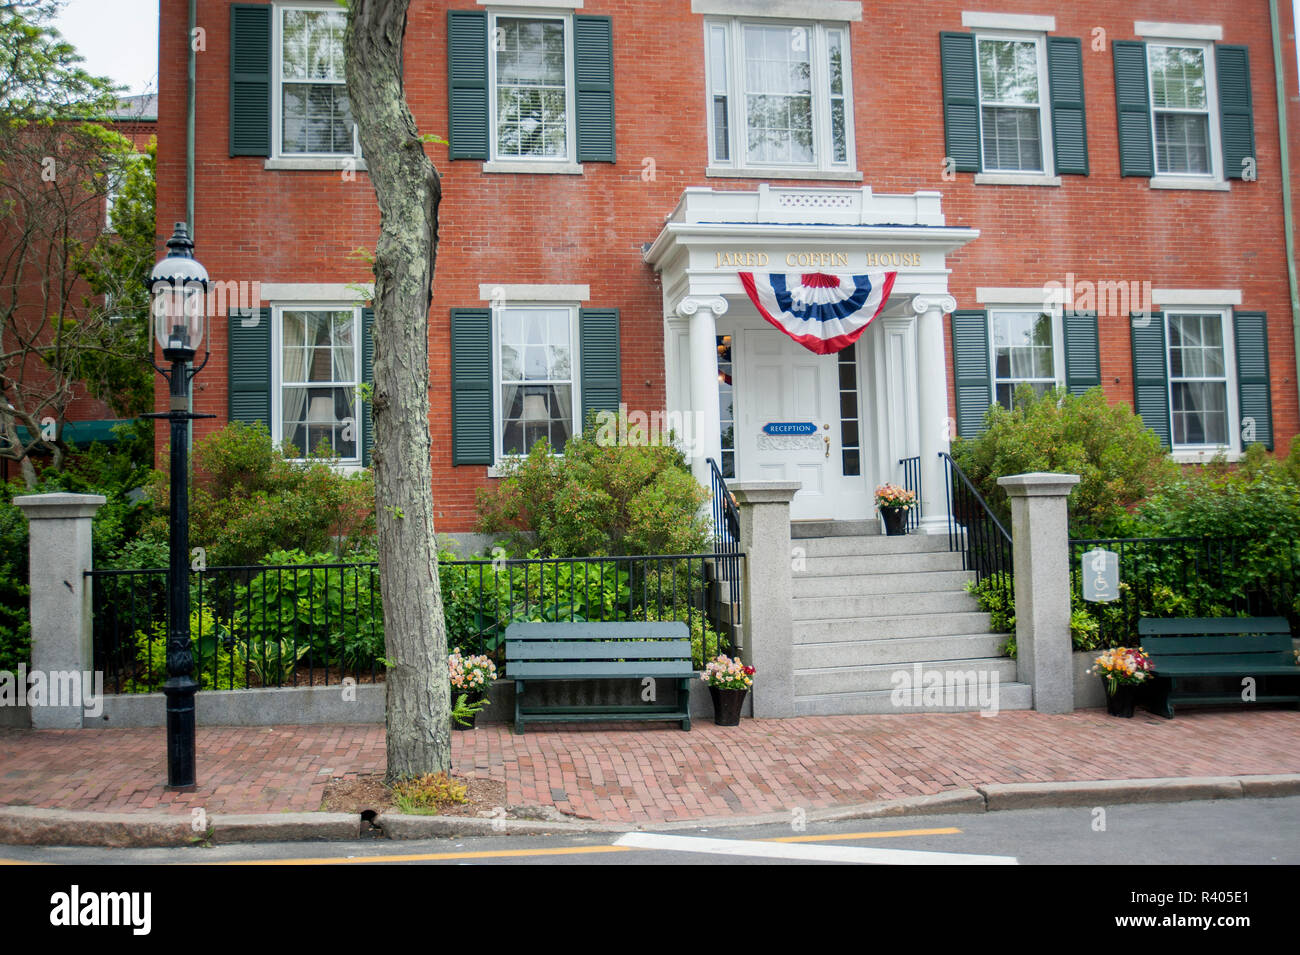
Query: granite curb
34 826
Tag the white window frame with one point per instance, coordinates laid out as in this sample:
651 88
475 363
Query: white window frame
575 359
1215 175
823 165
566 162
1058 343
277 90
1046 151
1203 452
277 368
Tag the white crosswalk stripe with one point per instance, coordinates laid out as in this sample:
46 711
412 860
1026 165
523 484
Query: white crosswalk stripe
804 852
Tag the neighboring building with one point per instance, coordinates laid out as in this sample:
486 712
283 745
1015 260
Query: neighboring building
85 418
1074 194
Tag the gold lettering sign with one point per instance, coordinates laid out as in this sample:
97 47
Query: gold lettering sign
741 259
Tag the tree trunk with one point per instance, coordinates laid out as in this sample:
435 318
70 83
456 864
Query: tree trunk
408 190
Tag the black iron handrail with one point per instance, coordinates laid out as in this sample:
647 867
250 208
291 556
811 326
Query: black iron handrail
912 482
726 532
975 531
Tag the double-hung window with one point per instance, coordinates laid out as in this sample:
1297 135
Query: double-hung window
1024 352
1198 379
532 83
1012 74
311 94
779 96
1013 101
1181 78
536 377
1186 117
317 367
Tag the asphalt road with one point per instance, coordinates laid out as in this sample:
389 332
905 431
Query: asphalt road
1224 832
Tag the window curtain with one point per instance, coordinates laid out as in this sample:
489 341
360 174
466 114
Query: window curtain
293 370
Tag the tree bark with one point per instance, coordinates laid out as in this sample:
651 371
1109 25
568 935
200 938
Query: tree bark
408 190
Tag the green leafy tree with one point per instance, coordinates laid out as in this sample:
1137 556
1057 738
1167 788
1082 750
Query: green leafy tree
1119 461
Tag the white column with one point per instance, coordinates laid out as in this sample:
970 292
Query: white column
706 434
932 402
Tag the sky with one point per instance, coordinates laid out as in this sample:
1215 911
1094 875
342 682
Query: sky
119 39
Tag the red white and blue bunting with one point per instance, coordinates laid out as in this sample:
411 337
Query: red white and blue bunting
823 313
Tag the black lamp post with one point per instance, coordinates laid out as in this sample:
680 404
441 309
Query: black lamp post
179 286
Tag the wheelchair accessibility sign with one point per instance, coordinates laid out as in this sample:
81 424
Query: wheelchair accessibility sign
1100 576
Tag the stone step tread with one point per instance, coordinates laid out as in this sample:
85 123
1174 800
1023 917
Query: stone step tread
858 546
1011 696
977 619
810 530
882 585
900 651
855 564
924 664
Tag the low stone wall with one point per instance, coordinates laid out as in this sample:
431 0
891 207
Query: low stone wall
1088 689
326 704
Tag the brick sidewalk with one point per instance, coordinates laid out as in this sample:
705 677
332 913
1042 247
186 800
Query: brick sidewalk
658 773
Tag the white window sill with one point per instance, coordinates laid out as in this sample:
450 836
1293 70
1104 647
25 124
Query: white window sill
539 168
728 172
1189 182
1204 455
351 163
1015 179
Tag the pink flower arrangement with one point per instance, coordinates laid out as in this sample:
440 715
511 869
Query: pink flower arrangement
727 674
891 495
470 674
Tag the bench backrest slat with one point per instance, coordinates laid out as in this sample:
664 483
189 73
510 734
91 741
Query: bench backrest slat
1208 626
591 650
1271 643
524 669
617 630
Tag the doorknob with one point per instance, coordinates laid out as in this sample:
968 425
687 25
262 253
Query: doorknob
828 445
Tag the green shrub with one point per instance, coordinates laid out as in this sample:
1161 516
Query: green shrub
210 639
597 499
1118 459
1000 605
249 498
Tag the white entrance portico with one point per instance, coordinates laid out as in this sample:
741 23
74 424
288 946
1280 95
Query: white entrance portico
839 424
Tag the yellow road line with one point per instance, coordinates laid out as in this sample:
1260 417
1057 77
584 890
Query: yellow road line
866 835
434 856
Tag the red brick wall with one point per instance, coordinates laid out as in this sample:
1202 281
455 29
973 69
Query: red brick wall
258 225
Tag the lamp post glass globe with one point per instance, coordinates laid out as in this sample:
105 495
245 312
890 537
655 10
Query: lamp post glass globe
179 287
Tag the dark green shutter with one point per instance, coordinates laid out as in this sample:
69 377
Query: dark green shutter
602 376
1236 114
1150 373
1069 125
467 84
248 359
1082 351
593 69
961 101
472 440
368 377
250 79
1254 403
970 364
1133 103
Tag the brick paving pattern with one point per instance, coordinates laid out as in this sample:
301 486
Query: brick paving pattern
657 773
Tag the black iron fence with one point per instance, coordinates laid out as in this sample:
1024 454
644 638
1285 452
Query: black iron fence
1191 577
912 482
319 624
974 531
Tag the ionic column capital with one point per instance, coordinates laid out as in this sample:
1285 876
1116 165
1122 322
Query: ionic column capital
693 303
926 303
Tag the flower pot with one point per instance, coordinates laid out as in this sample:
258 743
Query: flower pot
895 520
1121 702
727 705
470 698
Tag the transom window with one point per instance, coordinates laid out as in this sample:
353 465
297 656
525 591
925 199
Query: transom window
530 73
318 363
1198 379
1023 353
779 95
1011 87
536 378
315 114
1180 109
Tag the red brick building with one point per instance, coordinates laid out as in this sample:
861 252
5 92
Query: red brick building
1079 194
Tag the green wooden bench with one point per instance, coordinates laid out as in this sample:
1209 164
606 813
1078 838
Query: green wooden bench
600 651
1216 647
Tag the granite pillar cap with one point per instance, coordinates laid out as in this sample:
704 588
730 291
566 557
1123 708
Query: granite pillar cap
1039 484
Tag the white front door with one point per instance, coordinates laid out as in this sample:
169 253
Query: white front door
788 425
